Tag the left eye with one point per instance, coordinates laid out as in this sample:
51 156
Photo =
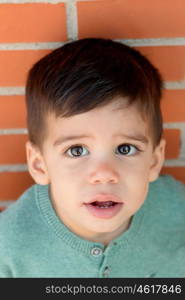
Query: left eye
127 149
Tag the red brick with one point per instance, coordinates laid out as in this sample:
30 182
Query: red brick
12 185
15 65
12 149
12 112
172 137
168 59
173 106
32 22
131 19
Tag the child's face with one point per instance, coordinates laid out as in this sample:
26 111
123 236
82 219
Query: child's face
102 167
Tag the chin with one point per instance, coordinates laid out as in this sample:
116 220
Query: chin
105 228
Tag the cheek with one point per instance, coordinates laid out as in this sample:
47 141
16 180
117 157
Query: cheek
71 174
67 178
136 197
60 167
135 183
137 169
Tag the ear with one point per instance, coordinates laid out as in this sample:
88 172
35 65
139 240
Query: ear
36 164
157 160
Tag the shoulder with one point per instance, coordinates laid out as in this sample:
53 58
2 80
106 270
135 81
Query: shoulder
170 182
14 226
17 208
166 187
167 199
17 218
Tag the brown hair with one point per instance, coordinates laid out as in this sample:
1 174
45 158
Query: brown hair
89 73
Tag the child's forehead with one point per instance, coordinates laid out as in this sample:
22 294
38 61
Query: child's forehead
113 112
108 121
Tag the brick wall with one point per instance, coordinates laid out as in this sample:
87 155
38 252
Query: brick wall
31 28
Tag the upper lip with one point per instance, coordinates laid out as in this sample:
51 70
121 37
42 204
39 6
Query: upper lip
102 197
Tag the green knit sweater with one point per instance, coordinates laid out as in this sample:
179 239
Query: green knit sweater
35 243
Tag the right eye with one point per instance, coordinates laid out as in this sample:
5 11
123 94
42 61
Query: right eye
75 151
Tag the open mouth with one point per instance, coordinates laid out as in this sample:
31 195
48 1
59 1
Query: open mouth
104 209
106 204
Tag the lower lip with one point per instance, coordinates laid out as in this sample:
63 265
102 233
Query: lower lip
104 213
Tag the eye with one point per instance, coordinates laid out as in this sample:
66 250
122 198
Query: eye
76 151
127 149
79 150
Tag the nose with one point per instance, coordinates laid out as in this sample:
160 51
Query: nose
104 173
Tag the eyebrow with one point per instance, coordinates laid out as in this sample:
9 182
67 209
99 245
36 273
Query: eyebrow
63 139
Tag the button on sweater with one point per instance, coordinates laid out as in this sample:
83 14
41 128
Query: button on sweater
35 243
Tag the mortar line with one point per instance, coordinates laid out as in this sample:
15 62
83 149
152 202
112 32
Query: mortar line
20 90
72 29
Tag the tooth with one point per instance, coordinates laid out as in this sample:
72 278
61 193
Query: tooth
106 204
